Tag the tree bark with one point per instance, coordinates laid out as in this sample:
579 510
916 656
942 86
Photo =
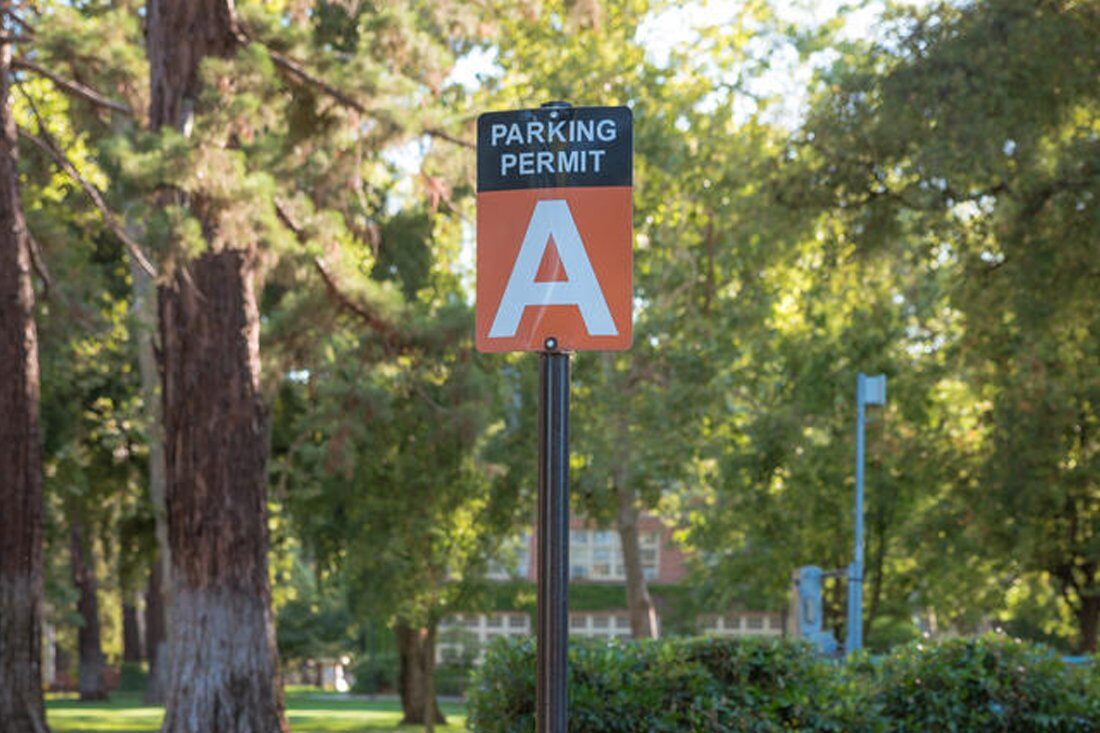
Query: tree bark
1088 621
643 614
225 674
131 631
877 574
89 647
156 639
21 708
224 667
416 681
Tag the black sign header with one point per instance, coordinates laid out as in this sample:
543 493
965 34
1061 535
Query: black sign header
555 147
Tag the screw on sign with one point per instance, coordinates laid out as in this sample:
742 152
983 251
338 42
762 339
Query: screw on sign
554 229
554 275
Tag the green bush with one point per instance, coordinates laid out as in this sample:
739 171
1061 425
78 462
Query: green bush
374 673
132 678
989 683
762 685
452 679
677 685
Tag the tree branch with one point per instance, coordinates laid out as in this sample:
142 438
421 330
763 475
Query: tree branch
20 22
73 87
435 132
376 322
39 264
94 194
288 64
296 69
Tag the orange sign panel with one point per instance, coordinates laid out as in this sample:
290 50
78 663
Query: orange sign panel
554 230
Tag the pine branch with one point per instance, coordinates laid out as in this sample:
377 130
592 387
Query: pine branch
374 320
296 69
73 87
434 132
58 156
341 97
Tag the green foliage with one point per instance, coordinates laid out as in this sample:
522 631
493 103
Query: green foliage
677 685
315 623
933 216
132 677
375 673
964 146
984 684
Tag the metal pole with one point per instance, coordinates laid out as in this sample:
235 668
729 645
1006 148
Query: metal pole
854 640
551 692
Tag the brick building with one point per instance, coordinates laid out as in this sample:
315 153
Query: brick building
597 579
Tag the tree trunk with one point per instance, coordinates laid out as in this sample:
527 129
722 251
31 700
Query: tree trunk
877 576
131 631
416 681
158 596
225 673
21 708
1088 621
156 641
89 648
643 614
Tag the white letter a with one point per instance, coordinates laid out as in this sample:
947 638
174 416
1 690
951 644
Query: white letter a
582 289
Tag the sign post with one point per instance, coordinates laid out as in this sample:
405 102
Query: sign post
869 391
552 627
554 275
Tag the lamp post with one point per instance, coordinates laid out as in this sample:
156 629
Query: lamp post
869 391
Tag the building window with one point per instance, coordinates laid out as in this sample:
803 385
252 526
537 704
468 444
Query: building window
599 626
464 637
518 559
741 624
598 555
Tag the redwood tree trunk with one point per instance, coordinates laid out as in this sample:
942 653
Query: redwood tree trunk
21 709
225 674
416 681
89 648
224 668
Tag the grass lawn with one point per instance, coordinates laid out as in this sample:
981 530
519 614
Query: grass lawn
309 711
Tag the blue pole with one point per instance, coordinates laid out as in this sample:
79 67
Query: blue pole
854 640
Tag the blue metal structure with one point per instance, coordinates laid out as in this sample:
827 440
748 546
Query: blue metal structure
869 391
809 610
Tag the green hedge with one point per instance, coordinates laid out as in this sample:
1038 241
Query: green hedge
763 685
987 683
673 685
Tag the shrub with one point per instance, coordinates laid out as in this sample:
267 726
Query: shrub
989 683
374 673
761 685
674 685
452 679
132 678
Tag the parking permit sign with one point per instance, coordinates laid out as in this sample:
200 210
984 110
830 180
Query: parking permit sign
554 229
